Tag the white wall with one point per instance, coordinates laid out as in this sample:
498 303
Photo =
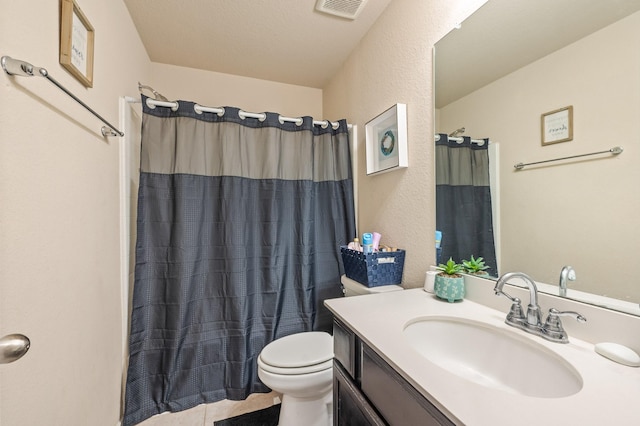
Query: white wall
59 264
393 64
582 212
250 94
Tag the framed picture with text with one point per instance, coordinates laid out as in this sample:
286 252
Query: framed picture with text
557 126
76 42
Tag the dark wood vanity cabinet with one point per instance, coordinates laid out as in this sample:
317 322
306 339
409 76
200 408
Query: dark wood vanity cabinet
350 407
367 391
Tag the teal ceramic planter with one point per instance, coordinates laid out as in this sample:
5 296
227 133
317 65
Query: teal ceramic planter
449 288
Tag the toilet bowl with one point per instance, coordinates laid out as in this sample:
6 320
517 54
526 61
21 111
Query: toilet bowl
300 367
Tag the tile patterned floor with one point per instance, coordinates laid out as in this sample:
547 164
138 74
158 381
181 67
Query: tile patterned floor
206 414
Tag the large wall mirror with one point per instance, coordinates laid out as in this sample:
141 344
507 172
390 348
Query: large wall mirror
508 65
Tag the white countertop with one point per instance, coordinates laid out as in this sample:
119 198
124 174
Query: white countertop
609 395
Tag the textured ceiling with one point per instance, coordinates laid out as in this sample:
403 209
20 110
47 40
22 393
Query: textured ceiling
288 41
278 40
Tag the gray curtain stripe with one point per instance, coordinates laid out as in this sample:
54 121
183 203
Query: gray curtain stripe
470 162
182 144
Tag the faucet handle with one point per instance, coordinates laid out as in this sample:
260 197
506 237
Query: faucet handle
515 315
553 326
556 313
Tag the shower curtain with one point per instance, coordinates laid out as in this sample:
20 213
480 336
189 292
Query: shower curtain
239 227
463 201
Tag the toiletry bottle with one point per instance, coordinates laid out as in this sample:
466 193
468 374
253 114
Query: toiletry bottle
376 241
438 246
355 245
367 243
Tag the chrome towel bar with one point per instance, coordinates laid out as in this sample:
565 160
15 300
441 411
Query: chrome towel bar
614 151
24 69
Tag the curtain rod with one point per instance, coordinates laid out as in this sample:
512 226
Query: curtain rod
24 69
613 151
199 109
460 140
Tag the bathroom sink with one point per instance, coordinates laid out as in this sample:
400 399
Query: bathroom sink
493 357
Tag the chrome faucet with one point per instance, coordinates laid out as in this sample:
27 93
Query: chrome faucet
567 273
532 323
533 310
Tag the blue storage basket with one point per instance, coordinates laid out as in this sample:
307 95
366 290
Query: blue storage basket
372 270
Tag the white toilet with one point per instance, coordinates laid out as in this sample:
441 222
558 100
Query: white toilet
354 288
300 367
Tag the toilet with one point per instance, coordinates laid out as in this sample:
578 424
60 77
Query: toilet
354 288
300 367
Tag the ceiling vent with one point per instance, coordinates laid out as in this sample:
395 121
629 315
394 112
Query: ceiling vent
344 8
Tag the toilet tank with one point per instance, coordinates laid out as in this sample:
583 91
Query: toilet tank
354 288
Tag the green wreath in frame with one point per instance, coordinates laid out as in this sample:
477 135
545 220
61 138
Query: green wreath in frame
387 143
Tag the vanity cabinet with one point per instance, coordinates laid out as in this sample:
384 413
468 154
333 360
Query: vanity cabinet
350 407
368 391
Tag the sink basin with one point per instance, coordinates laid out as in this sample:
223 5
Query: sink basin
493 357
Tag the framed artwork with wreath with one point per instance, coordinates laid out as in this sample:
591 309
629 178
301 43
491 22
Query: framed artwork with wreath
386 141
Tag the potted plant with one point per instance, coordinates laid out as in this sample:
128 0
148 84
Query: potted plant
475 266
449 283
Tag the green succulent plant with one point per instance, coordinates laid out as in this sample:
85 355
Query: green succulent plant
451 268
474 265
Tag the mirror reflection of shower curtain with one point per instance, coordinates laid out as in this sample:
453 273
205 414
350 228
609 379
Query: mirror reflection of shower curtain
238 233
463 201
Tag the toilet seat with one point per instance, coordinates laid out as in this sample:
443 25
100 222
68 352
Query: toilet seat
301 353
295 371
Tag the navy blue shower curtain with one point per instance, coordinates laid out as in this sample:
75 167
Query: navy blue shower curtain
463 201
240 221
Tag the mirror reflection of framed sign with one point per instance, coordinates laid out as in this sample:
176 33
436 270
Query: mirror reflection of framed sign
557 126
76 42
386 141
